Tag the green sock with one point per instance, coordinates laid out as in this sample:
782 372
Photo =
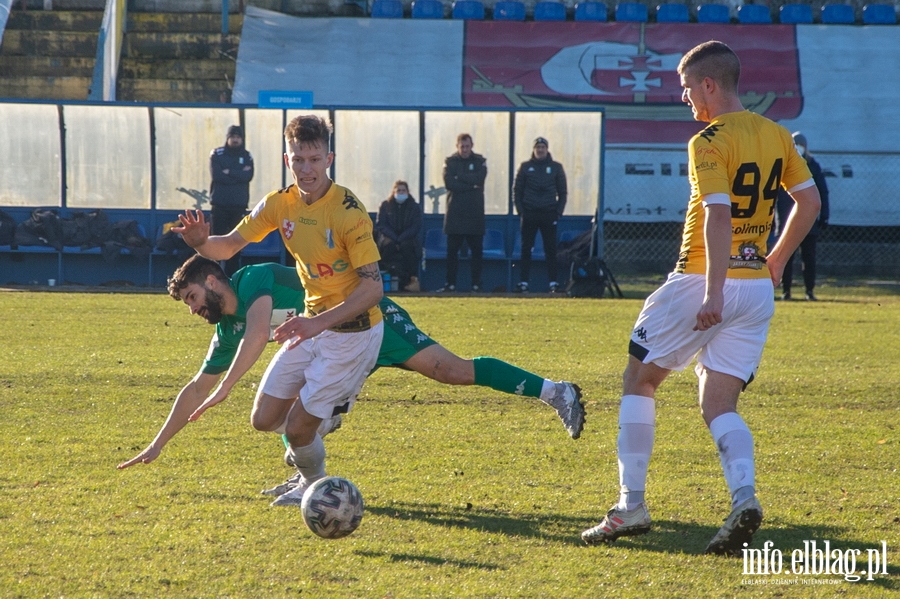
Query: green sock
287 444
499 375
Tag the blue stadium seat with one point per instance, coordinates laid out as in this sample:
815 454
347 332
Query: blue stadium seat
754 14
549 10
537 252
509 10
631 11
838 14
428 9
387 9
494 244
468 9
879 14
590 11
672 13
713 13
795 13
435 244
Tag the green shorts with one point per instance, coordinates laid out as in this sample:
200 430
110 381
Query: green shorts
402 338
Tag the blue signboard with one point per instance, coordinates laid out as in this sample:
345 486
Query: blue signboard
285 99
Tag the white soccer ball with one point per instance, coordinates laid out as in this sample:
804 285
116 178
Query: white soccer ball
332 507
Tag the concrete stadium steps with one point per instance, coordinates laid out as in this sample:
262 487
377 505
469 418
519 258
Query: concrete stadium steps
45 88
56 20
46 66
162 46
174 90
49 54
195 69
49 43
178 57
150 22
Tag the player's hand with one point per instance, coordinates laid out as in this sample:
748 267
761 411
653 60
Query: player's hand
296 329
710 313
194 229
216 398
145 457
776 270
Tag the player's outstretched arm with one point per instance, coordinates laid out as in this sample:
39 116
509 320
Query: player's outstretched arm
194 230
187 401
251 347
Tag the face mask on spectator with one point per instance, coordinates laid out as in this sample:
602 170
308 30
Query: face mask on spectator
400 197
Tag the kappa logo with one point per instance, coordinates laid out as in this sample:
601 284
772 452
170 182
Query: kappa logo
710 132
408 327
641 333
287 228
350 203
391 310
520 388
237 328
421 338
398 318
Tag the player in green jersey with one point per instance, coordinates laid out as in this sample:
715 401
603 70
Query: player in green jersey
249 306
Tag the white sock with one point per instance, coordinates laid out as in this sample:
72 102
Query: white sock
548 391
735 444
637 426
310 460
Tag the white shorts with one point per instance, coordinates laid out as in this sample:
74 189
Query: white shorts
327 371
664 335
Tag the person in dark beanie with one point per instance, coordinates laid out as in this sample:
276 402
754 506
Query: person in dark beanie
808 245
231 169
540 195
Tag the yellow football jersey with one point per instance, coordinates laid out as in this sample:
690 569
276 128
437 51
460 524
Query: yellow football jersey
329 240
748 157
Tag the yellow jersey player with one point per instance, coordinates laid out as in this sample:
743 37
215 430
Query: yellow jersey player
718 302
328 352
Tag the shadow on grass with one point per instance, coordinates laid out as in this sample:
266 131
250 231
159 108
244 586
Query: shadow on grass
428 560
554 527
667 536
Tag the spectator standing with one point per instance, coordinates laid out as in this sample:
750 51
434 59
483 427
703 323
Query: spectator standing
808 245
397 232
231 169
540 198
464 175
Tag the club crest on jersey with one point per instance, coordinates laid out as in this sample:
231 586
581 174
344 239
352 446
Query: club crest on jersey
287 229
748 257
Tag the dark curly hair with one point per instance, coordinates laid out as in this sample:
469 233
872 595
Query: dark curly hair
195 270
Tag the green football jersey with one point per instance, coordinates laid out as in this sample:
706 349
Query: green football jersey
249 284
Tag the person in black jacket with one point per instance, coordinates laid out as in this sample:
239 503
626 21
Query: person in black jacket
231 169
808 245
464 175
540 195
397 231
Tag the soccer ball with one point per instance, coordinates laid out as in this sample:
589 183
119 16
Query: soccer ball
332 507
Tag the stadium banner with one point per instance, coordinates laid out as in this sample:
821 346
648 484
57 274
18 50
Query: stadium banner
814 78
